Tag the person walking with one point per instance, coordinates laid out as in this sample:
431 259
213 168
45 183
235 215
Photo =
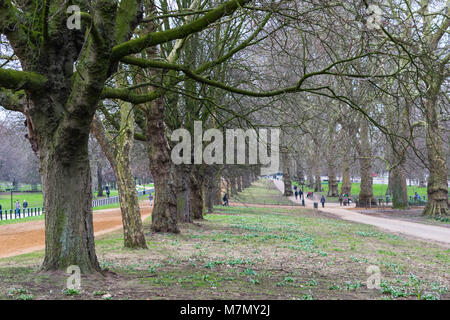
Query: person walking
322 200
150 197
225 200
107 191
340 200
17 206
296 194
25 204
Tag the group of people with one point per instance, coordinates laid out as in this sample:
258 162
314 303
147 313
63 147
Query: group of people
344 199
19 206
298 193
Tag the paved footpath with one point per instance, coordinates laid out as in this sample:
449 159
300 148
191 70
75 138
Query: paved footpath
418 230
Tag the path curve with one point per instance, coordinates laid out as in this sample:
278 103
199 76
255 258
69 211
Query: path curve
26 237
418 230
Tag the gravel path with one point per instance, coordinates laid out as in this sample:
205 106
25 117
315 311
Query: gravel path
417 230
25 237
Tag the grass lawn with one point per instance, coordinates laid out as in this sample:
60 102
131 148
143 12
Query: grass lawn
34 199
110 206
262 192
37 200
248 253
379 190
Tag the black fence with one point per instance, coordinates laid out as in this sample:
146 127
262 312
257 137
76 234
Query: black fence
21 213
381 201
34 212
115 199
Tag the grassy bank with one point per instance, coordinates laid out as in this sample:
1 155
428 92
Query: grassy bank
262 192
248 253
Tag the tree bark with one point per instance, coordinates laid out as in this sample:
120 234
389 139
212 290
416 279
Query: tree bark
437 187
66 184
197 203
233 186
164 215
239 183
183 192
365 164
286 172
346 185
398 188
317 180
99 180
118 153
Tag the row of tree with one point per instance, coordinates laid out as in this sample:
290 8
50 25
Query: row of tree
139 70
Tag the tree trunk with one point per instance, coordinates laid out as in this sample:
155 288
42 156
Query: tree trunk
197 204
99 180
183 192
317 180
118 153
346 185
332 181
365 164
398 188
133 231
310 179
218 190
286 173
164 215
437 187
233 186
66 184
239 183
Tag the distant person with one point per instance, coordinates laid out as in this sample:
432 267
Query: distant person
340 200
225 199
25 204
300 194
107 191
296 194
150 197
17 206
322 200
0 207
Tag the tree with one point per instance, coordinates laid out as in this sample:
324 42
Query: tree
60 103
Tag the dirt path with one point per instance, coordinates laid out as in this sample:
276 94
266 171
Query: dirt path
418 230
25 237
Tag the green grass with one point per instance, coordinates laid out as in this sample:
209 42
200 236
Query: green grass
262 192
41 217
249 253
36 200
379 190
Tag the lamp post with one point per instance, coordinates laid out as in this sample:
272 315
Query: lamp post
302 183
11 190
